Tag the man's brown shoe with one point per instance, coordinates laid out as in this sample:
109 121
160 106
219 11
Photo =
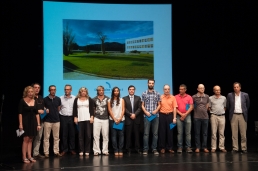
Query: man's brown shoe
73 152
206 150
63 153
162 151
223 150
213 150
197 150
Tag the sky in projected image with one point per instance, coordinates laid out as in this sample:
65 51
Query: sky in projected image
86 31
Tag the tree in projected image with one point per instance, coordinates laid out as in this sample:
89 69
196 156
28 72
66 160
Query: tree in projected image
68 40
102 38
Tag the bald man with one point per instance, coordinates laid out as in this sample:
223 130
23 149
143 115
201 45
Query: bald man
217 107
201 118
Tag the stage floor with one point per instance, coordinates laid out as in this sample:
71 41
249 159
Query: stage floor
165 162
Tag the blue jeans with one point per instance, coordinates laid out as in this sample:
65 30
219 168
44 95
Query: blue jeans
198 123
154 124
114 133
184 126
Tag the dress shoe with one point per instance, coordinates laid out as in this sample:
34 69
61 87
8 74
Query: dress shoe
234 151
162 151
213 150
206 150
189 150
63 153
171 151
58 155
244 151
39 156
179 150
47 155
72 152
197 150
223 150
139 151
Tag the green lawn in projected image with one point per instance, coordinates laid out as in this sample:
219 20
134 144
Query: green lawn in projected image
122 65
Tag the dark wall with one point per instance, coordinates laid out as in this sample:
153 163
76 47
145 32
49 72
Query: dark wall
212 44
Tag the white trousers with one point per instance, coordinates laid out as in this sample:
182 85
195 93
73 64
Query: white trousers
100 126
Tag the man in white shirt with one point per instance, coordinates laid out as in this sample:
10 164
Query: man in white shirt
67 130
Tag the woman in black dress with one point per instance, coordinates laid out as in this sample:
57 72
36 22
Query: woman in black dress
29 122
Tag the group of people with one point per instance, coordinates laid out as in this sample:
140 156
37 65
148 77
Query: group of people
122 116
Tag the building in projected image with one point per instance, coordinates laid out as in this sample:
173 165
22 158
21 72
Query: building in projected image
142 44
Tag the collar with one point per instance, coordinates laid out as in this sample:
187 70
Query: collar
238 95
51 97
182 96
67 96
198 95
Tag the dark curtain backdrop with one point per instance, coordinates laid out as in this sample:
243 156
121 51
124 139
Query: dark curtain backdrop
213 44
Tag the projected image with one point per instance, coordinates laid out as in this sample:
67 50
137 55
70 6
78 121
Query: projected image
103 49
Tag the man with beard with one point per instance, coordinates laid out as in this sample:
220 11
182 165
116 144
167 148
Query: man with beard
150 106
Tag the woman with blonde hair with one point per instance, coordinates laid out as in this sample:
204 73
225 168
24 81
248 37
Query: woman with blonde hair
29 122
83 111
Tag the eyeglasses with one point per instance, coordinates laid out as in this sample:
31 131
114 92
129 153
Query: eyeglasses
67 89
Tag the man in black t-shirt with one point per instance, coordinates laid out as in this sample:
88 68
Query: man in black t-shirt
52 121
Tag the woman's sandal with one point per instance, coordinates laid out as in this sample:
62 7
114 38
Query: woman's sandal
32 160
26 160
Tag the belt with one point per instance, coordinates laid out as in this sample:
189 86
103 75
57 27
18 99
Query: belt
166 113
218 114
238 113
66 115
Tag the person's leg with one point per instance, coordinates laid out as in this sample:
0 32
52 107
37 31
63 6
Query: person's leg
197 127
30 139
205 124
81 126
113 136
96 135
64 133
155 128
37 140
88 136
47 131
105 135
188 127
214 127
242 129
56 129
222 123
121 140
169 132
146 134
128 135
180 131
234 129
25 147
71 132
136 130
161 131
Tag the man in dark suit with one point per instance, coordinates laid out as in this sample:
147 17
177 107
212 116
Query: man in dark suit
133 111
238 104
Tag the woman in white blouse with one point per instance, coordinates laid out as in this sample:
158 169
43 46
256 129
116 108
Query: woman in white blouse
116 111
83 111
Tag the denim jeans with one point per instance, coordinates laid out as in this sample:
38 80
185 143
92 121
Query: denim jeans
198 123
184 126
114 133
154 124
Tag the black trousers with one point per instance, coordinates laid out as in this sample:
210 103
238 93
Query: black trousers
133 128
67 133
85 131
165 134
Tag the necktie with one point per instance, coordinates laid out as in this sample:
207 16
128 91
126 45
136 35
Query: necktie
131 99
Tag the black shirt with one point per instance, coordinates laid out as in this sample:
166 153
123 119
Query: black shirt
40 102
52 104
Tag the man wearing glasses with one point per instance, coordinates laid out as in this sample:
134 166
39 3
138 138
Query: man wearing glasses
52 121
67 130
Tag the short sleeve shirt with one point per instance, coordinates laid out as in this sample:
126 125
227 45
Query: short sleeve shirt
200 106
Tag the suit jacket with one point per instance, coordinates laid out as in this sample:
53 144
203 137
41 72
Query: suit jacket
128 109
245 104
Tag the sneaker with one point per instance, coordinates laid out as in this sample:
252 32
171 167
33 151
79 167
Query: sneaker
179 150
81 153
155 152
189 150
145 153
58 155
87 154
96 154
